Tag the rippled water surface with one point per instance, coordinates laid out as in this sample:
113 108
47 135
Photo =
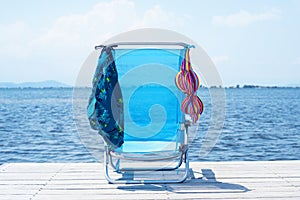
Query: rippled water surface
36 125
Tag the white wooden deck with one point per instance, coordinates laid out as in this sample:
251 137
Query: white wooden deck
209 180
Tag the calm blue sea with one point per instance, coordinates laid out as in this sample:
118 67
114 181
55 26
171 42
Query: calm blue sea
37 125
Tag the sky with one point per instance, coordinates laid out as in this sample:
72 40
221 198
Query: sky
251 42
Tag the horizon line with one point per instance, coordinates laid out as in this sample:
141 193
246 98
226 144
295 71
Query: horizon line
66 85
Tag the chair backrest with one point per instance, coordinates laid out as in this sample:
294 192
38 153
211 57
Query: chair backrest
151 99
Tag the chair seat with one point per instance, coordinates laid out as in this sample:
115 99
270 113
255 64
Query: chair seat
148 150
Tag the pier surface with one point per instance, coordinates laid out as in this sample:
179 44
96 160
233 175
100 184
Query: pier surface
208 180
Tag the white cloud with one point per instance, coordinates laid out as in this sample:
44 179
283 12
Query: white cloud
84 30
58 49
243 18
97 24
103 21
160 18
219 59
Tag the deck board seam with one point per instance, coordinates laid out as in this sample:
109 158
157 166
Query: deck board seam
283 178
4 167
47 182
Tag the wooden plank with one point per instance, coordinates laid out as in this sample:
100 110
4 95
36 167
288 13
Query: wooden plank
15 197
84 196
209 180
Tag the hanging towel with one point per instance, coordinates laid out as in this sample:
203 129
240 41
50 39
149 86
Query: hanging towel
105 108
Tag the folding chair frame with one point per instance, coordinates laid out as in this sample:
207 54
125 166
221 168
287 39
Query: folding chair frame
181 155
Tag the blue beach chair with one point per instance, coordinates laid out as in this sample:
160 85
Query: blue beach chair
135 106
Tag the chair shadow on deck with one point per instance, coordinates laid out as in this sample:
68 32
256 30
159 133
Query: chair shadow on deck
205 184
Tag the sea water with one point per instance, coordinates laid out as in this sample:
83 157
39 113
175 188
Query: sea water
38 125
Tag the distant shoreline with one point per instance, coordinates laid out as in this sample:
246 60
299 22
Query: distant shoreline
40 84
7 88
55 84
204 87
253 87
